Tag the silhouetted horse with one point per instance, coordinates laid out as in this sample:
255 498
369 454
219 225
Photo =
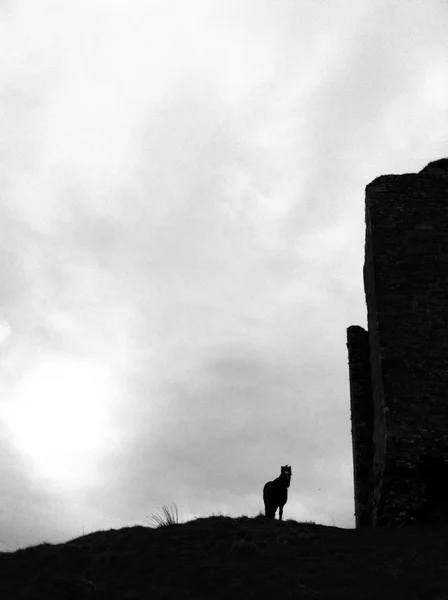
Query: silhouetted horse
275 493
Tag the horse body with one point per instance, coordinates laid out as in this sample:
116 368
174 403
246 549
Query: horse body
275 493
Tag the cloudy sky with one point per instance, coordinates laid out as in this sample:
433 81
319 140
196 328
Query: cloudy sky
181 246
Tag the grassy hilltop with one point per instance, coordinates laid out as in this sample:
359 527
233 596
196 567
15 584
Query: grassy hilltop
221 557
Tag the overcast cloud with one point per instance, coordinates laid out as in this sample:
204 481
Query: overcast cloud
181 250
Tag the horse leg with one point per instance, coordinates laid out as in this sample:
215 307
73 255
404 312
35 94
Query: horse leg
280 512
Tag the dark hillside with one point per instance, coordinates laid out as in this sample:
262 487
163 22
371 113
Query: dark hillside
221 557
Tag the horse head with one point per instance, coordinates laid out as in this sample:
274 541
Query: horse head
286 472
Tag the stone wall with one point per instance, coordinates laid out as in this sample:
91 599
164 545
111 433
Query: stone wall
361 405
406 286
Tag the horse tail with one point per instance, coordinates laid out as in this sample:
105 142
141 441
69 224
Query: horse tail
270 507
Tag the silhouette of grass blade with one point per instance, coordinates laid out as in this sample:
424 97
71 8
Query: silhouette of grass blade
169 517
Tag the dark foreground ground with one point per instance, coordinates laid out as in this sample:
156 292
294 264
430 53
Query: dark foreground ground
221 557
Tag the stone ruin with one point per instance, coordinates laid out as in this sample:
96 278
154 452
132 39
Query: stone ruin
399 367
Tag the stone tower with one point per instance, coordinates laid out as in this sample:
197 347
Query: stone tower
399 367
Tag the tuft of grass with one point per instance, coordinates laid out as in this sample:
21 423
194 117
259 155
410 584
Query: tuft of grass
5 544
169 517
